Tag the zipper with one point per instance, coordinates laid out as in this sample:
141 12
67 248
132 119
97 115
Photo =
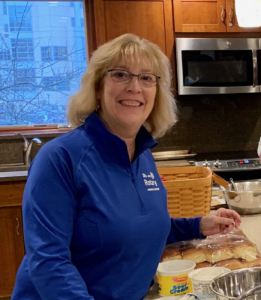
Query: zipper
142 208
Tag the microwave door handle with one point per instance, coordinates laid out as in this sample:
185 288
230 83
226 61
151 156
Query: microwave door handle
255 77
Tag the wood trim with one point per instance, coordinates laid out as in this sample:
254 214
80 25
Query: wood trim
170 39
99 18
34 132
217 35
90 23
169 28
141 0
177 16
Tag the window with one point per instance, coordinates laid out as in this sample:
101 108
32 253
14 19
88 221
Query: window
82 22
63 85
4 55
60 53
24 79
20 18
41 60
83 47
6 35
46 53
22 49
4 8
56 84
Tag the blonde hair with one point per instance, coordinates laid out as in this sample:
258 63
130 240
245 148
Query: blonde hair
127 48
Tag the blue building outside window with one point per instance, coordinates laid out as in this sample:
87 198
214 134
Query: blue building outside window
20 18
42 59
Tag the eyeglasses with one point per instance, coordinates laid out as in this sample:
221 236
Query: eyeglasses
122 76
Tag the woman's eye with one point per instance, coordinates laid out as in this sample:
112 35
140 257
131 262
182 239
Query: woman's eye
120 74
146 77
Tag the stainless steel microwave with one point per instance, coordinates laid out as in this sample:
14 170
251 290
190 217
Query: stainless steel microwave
218 66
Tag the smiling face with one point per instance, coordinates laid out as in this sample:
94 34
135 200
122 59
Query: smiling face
126 106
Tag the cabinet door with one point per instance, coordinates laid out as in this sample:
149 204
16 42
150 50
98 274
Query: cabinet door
148 19
200 15
11 247
232 24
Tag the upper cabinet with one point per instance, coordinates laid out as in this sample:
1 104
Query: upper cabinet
148 19
207 16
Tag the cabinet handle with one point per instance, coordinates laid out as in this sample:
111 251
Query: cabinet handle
223 14
231 14
17 226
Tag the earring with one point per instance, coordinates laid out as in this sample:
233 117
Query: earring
98 106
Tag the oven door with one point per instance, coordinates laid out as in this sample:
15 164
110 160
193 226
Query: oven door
217 66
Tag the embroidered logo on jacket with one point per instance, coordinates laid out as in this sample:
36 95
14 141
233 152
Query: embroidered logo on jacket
150 182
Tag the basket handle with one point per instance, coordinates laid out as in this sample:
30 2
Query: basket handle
219 180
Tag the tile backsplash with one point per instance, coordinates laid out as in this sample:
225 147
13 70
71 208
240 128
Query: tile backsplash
215 123
207 123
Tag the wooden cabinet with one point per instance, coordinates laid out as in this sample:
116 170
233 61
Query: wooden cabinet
11 234
207 16
148 19
200 15
232 24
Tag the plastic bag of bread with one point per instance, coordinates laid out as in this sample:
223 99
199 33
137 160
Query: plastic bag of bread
232 250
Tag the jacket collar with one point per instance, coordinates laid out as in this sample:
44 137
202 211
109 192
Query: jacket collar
111 143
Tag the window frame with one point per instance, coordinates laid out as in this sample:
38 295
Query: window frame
91 46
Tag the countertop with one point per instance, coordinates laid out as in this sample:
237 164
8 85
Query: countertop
250 225
13 176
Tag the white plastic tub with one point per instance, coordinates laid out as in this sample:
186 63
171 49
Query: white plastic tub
201 279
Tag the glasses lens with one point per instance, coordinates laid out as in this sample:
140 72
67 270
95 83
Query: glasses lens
120 76
148 79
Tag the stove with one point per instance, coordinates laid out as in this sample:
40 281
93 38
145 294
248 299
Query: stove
238 169
225 164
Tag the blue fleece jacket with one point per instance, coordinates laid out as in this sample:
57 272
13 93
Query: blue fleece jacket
95 225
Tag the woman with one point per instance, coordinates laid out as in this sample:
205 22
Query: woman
93 229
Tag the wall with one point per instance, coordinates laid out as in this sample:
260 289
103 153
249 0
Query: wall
215 123
11 147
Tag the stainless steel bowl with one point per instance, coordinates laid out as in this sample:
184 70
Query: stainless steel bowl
253 294
234 284
246 199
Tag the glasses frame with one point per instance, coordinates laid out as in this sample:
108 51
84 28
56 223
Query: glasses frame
137 75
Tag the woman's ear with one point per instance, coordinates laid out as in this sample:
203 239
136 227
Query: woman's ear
97 95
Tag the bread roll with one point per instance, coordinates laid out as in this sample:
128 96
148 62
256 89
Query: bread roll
232 264
245 251
215 254
203 265
197 255
170 254
251 264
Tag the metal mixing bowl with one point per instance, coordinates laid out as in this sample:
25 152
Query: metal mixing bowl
234 284
253 294
245 198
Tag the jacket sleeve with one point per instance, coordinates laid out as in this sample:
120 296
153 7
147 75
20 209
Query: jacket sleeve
49 211
184 229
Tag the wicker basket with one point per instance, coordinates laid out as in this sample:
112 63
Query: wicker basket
189 190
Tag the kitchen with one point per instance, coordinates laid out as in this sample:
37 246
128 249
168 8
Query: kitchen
215 127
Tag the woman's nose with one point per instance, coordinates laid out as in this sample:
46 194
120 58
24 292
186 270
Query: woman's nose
134 85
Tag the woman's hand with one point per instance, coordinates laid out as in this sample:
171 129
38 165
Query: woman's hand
221 221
